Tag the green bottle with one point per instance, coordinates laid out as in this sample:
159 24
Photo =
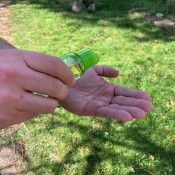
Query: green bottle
80 62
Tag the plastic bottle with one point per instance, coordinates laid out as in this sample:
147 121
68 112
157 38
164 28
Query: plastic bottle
80 62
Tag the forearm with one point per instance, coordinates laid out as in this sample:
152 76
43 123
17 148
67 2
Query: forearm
5 44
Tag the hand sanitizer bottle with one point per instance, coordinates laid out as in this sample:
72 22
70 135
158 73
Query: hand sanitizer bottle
80 62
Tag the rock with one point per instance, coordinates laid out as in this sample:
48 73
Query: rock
77 6
159 15
149 18
92 7
167 24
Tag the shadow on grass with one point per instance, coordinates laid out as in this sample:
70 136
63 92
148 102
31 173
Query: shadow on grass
95 139
110 13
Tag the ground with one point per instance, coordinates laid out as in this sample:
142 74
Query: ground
62 143
5 27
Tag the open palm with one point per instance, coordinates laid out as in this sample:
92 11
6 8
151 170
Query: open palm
92 95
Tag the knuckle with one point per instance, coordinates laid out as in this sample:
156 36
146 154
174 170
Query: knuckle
7 98
63 93
8 72
56 86
61 90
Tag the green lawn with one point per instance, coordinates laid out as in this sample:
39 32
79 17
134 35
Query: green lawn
65 144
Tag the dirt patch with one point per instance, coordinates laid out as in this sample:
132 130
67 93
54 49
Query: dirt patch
11 159
5 14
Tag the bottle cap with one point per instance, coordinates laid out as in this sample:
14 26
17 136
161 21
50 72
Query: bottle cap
89 58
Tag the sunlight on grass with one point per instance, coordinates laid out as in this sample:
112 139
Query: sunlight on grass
65 144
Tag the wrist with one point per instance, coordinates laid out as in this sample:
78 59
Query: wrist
5 44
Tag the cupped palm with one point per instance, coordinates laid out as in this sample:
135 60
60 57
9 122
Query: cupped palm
92 95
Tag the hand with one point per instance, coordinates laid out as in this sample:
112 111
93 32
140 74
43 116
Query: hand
92 95
25 72
5 44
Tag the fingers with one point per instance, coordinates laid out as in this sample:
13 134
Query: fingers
49 65
11 117
128 92
105 71
22 116
128 101
44 84
134 111
121 115
36 104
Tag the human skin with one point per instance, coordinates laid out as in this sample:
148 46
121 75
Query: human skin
92 95
26 72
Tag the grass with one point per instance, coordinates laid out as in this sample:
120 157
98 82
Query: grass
64 144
